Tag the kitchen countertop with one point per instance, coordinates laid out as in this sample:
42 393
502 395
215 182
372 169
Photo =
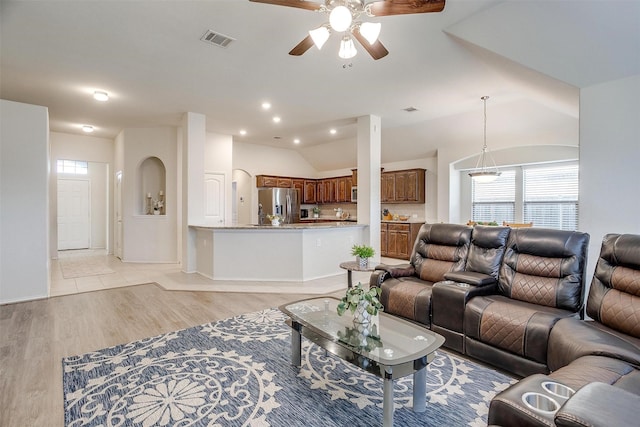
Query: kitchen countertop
408 221
296 226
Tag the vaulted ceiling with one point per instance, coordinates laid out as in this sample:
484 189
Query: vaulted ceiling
530 57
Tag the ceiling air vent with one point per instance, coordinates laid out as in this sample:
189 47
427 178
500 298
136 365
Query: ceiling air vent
217 39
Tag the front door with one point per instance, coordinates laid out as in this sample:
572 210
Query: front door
73 214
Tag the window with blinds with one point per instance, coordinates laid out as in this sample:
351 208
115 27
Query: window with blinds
550 196
495 201
545 195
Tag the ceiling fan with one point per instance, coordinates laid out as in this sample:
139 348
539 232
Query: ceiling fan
344 18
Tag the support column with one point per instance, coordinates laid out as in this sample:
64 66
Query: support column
369 144
191 151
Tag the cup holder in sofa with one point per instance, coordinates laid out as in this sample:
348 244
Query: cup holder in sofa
540 402
558 389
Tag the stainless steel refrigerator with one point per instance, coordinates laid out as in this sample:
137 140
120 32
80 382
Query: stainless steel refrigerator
278 201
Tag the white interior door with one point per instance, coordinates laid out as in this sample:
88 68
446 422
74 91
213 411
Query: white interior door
214 198
73 214
117 206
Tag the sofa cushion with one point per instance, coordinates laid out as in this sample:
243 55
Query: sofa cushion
440 248
545 267
573 338
408 297
518 327
588 369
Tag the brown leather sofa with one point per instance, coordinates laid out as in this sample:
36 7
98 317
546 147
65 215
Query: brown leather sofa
406 288
598 359
504 289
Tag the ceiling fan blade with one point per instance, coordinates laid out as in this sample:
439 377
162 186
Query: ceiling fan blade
302 47
404 7
376 50
302 4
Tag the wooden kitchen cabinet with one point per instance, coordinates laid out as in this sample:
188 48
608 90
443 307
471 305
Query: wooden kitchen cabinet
405 186
343 189
397 239
266 181
387 187
298 184
309 193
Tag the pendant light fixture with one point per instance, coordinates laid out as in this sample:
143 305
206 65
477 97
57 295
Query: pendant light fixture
482 171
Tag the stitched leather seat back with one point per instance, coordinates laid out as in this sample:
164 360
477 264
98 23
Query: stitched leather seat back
439 249
487 249
614 297
545 267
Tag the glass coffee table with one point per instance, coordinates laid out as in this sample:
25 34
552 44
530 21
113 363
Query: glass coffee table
390 349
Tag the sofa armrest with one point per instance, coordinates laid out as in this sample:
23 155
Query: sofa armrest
599 404
377 277
400 270
470 278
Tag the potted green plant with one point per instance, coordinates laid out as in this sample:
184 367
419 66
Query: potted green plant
316 212
362 254
362 303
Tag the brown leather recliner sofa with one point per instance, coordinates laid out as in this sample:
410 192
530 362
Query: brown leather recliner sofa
598 359
494 293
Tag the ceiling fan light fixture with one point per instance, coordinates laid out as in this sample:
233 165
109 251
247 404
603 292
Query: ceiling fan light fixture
340 18
347 48
320 35
370 31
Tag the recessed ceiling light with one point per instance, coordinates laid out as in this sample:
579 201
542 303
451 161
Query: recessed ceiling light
266 105
243 132
333 131
276 119
99 95
87 128
296 141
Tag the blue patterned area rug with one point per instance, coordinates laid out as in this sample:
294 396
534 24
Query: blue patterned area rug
237 372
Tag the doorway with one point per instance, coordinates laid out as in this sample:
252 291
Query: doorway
73 214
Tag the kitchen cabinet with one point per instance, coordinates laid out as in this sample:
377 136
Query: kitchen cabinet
327 190
397 239
298 184
343 189
405 186
387 187
273 181
309 193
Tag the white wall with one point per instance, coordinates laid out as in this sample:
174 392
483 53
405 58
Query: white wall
24 202
149 238
100 153
263 160
609 161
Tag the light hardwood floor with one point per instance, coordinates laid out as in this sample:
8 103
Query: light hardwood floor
36 335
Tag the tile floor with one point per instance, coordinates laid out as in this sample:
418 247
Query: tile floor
170 277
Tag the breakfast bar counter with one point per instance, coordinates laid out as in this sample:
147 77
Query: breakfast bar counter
288 252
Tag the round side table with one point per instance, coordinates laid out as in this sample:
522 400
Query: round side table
354 266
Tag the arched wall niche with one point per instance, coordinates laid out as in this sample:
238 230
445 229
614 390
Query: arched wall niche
152 187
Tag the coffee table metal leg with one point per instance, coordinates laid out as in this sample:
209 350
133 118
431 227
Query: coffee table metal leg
387 399
349 281
296 344
420 390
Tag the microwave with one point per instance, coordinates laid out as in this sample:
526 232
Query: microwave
354 194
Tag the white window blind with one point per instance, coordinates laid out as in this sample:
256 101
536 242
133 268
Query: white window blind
495 201
551 196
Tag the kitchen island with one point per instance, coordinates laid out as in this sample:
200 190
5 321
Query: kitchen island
289 252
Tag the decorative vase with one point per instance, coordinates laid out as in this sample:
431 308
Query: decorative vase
363 262
156 212
361 316
363 331
315 215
